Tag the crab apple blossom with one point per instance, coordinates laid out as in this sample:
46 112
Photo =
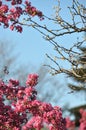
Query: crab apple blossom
70 124
12 16
25 112
32 80
83 120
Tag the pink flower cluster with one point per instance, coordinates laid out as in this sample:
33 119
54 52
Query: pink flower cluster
82 120
70 125
9 17
25 112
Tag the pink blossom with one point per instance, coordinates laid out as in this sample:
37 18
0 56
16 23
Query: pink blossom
12 27
3 9
24 102
32 80
10 17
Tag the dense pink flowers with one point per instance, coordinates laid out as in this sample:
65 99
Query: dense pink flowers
32 80
82 120
34 122
23 102
10 16
70 124
25 112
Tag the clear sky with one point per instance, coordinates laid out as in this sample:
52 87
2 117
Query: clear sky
30 44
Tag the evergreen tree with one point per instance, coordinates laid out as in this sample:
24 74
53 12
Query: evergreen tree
79 77
79 72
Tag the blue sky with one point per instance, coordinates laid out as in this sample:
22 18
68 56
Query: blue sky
30 45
